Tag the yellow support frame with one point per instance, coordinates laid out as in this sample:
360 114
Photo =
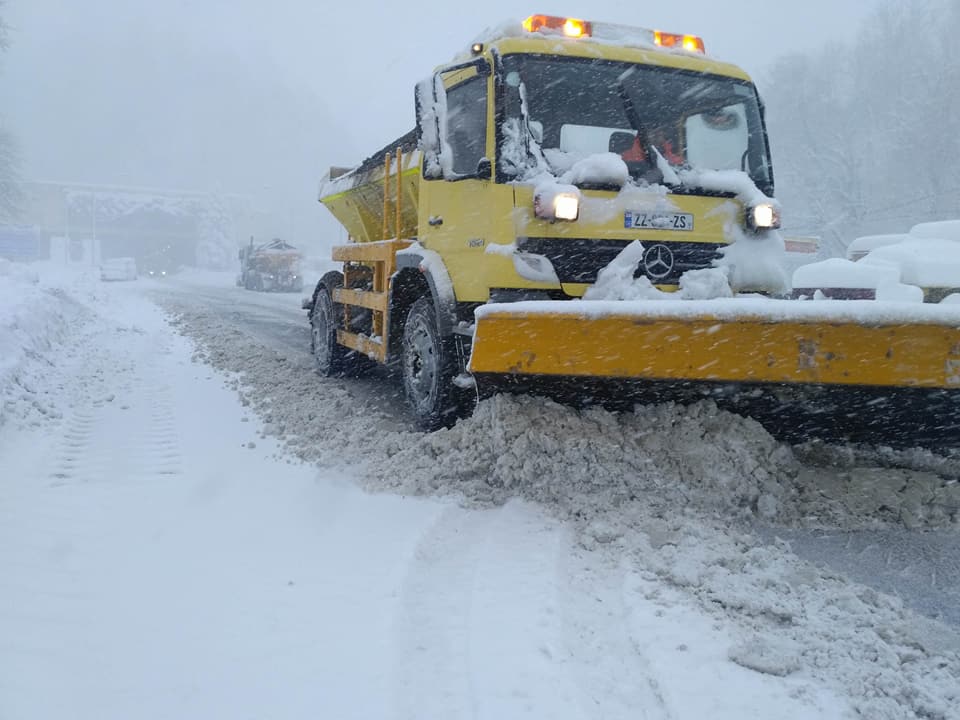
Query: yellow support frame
380 259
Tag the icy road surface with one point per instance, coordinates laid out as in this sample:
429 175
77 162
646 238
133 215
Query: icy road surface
275 321
162 555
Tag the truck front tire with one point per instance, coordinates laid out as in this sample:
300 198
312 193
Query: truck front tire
429 367
331 358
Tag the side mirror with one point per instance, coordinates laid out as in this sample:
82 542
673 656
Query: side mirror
431 104
484 168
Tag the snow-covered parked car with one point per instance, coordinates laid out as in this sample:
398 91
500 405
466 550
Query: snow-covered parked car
859 248
921 266
18 271
943 230
839 279
119 269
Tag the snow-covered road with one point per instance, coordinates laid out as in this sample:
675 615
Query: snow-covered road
276 321
165 552
922 568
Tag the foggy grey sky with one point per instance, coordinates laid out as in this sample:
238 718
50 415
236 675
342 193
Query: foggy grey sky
261 97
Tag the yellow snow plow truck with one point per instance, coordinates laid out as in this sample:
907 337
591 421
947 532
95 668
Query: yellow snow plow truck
586 210
272 266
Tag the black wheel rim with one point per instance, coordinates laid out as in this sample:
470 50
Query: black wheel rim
322 332
421 365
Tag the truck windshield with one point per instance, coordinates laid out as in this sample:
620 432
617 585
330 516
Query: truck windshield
574 108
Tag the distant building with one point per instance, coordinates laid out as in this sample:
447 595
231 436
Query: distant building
20 243
88 223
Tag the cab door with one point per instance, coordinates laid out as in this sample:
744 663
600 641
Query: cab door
458 202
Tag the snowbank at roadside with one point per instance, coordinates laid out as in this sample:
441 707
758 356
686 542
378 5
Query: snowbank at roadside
34 318
18 271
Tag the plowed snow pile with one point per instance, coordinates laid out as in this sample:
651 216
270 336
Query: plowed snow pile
675 456
671 455
694 456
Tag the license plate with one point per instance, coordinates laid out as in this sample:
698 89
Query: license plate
658 221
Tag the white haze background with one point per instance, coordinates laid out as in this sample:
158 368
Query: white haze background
259 99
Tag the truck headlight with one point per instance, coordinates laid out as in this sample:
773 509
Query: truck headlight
557 202
566 206
765 216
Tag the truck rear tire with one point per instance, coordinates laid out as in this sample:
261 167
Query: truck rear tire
429 367
332 359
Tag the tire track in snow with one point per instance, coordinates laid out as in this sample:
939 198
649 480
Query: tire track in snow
614 676
490 626
433 677
76 438
118 421
122 422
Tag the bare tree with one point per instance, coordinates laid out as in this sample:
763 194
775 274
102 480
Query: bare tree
10 192
866 134
4 31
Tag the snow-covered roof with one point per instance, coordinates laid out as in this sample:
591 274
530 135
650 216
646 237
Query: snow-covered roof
276 246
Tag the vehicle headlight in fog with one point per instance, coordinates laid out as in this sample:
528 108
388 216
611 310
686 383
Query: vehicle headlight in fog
765 216
566 206
553 205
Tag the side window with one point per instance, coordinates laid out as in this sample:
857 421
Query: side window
718 139
467 124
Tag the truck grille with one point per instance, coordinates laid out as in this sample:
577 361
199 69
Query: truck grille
579 260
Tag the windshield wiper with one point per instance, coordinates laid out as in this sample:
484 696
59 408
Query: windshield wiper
654 174
633 116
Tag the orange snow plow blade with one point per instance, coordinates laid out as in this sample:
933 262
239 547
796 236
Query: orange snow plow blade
843 362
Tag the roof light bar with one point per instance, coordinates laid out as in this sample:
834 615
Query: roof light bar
575 28
690 43
571 27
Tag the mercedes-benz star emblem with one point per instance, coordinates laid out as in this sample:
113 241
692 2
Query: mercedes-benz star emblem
658 261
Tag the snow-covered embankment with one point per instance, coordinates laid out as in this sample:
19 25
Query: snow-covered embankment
34 319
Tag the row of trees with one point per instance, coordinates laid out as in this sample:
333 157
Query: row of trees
9 185
866 134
